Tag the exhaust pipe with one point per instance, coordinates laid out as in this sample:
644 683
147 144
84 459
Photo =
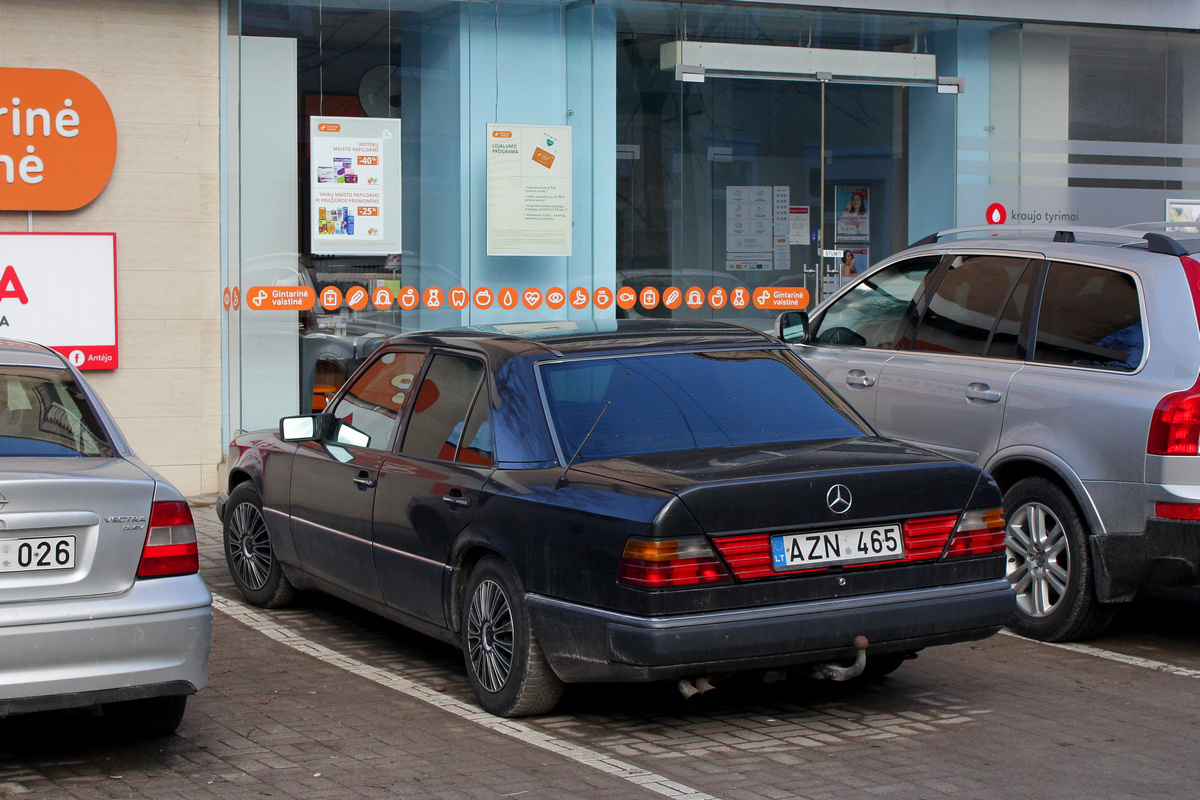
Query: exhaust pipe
690 688
833 672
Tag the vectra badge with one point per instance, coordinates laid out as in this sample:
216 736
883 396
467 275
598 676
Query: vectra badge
839 499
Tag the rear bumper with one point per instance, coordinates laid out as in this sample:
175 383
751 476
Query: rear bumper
589 644
1166 554
148 641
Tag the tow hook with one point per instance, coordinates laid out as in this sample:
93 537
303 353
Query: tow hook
833 672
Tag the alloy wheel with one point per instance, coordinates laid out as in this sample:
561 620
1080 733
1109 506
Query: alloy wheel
249 546
490 638
1039 559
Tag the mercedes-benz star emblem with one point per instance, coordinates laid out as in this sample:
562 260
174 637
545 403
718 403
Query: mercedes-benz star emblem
839 499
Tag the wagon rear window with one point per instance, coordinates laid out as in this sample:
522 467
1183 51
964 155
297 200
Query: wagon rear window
43 412
687 401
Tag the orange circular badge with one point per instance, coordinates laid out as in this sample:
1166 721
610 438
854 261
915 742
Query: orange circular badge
458 298
532 298
717 297
626 297
331 298
433 298
357 297
382 298
739 297
555 297
226 298
694 297
672 298
483 298
603 297
508 298
580 297
408 298
649 297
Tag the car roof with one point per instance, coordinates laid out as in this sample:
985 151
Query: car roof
563 338
15 351
1114 246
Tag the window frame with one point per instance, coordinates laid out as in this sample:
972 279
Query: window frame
1035 320
401 417
396 449
909 316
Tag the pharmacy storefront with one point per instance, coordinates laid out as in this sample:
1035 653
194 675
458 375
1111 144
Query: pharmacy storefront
394 165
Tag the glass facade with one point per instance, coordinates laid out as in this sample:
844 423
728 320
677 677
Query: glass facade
395 165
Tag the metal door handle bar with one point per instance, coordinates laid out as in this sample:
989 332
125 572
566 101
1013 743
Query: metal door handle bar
981 391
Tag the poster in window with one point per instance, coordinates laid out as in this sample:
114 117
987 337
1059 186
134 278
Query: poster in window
853 213
355 186
528 190
1183 211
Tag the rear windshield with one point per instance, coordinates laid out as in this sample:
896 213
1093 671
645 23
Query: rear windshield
44 413
687 401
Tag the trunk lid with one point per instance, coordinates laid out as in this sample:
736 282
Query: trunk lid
71 527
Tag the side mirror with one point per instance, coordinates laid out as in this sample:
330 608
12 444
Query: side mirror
792 326
306 428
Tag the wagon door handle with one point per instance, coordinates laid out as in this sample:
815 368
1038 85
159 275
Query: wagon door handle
364 480
858 377
981 391
456 500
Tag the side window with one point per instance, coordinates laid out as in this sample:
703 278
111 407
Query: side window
367 413
1006 339
872 312
963 310
1090 317
439 414
475 445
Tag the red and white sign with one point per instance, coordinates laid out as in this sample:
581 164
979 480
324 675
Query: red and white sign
60 290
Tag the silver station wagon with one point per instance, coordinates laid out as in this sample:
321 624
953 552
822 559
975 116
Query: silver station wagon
1065 363
101 601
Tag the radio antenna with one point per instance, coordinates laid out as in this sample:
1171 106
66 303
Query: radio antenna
562 479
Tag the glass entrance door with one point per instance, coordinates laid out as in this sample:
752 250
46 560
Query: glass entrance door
732 185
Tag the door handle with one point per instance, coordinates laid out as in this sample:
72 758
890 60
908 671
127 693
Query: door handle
456 500
981 391
858 377
364 481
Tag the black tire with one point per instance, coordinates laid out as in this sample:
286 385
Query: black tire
147 718
253 566
508 672
1050 565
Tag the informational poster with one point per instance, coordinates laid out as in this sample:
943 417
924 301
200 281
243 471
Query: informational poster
60 290
757 221
847 264
355 185
1183 211
528 190
798 225
852 204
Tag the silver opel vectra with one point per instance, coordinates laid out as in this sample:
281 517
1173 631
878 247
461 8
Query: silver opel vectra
101 601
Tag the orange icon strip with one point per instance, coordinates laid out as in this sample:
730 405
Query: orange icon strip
434 298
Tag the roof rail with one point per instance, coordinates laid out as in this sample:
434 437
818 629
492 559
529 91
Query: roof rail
1155 242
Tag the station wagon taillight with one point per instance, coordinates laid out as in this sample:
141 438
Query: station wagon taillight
978 533
170 547
1175 426
653 564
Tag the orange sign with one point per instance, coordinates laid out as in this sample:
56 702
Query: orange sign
532 298
603 297
672 297
280 298
408 298
58 140
433 298
695 297
483 298
508 298
356 298
382 298
781 298
626 297
458 298
555 297
331 298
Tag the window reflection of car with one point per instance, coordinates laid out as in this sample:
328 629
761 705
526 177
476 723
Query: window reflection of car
630 500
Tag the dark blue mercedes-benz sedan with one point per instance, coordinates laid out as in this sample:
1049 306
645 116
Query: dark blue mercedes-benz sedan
617 501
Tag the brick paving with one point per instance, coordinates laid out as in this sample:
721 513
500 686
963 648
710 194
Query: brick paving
1003 718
